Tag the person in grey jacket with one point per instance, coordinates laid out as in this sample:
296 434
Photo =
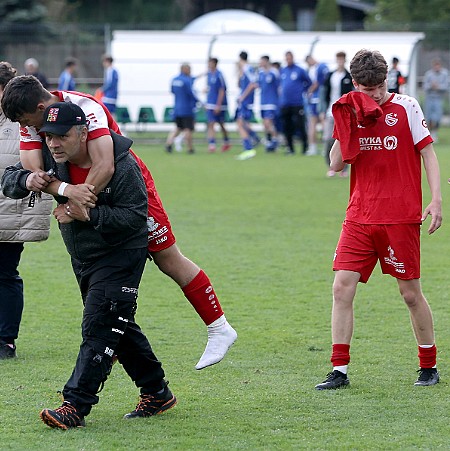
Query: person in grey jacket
22 221
108 249
435 85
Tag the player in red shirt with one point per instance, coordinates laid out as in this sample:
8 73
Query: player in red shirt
384 137
25 101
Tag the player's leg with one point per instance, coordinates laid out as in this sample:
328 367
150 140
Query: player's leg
344 290
189 139
226 139
288 128
354 261
211 131
247 144
11 298
300 123
313 120
422 324
173 134
199 291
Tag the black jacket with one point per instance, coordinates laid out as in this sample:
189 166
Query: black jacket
346 86
119 219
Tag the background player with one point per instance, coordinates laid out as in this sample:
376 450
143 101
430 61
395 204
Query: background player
317 73
216 106
244 111
184 108
269 84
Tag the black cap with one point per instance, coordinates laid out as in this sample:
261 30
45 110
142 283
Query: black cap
60 117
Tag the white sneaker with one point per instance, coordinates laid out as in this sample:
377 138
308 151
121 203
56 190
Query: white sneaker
312 150
220 337
246 154
178 142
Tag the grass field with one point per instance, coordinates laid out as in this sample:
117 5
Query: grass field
265 231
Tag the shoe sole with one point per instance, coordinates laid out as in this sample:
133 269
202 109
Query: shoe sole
343 385
54 423
416 384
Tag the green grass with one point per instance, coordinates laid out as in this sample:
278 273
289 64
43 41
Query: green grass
265 231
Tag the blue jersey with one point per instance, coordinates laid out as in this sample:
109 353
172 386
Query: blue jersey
110 86
294 83
66 82
216 82
247 77
318 73
185 99
269 83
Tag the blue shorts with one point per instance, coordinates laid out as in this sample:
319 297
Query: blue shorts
244 113
212 117
268 114
313 109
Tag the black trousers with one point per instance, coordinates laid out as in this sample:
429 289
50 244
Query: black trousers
11 291
294 123
109 288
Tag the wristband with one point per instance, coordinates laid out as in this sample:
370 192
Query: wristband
61 188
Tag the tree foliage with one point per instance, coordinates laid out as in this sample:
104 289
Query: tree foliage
328 15
431 17
22 11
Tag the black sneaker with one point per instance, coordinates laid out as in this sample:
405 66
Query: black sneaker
191 151
169 148
153 404
334 380
427 376
64 417
6 352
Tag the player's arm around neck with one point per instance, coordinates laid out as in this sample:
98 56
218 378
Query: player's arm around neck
336 163
434 209
101 152
32 159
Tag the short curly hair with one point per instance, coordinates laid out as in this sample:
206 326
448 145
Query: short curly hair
368 68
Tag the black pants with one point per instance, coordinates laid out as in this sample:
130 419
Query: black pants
109 289
11 291
294 122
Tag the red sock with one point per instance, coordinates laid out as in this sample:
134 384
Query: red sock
427 357
200 293
340 354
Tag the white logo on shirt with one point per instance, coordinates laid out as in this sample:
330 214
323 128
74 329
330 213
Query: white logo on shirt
390 142
391 119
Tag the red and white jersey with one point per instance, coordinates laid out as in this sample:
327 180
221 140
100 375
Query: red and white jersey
385 183
98 116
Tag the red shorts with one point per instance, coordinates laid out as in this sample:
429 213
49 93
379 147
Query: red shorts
160 235
395 246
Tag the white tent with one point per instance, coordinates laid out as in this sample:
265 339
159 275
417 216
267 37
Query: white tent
148 60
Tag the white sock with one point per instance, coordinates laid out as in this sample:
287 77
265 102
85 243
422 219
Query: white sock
220 337
341 368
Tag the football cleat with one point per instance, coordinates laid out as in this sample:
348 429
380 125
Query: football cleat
334 380
427 376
